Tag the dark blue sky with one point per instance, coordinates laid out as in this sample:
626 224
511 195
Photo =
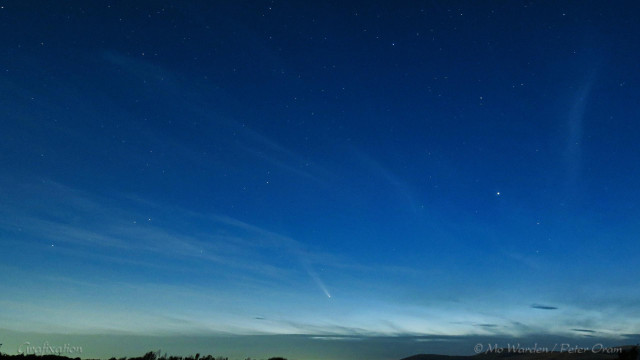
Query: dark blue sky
337 168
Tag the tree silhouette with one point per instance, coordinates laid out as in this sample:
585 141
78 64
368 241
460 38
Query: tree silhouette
631 354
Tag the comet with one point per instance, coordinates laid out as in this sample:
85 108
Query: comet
313 275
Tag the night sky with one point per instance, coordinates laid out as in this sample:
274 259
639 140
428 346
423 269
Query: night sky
335 173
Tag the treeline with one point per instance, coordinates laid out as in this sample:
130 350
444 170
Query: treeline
157 356
148 356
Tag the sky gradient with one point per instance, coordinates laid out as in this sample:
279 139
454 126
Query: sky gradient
399 170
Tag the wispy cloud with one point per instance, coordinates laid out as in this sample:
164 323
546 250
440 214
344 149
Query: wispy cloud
337 338
543 307
400 187
79 227
575 129
240 136
487 325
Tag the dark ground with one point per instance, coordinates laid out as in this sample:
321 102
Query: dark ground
628 353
